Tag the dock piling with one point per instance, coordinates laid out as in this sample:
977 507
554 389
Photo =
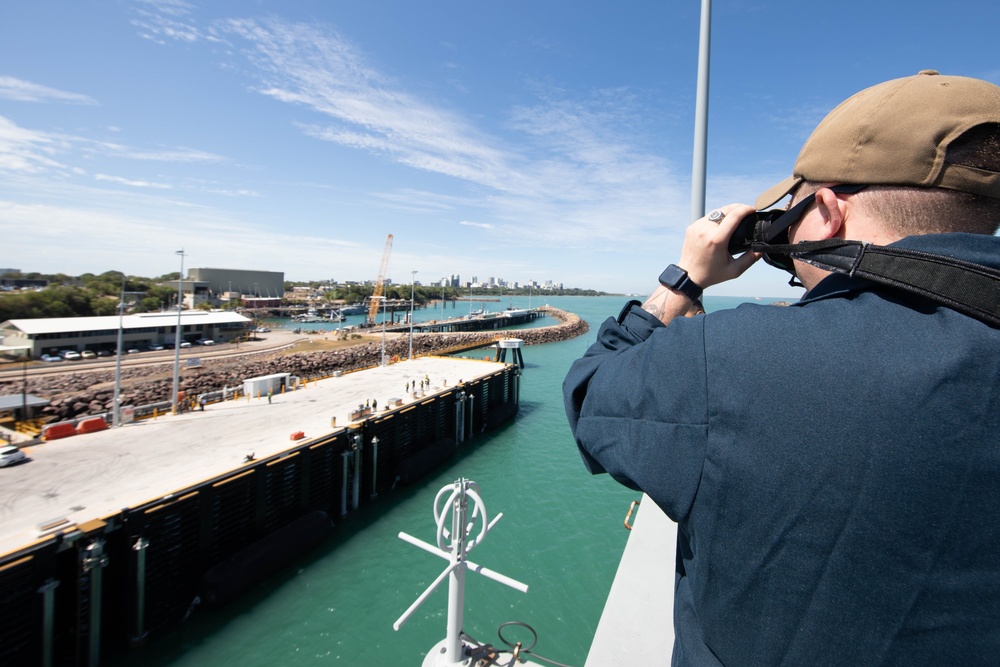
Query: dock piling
140 547
48 592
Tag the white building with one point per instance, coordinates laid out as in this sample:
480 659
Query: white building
50 334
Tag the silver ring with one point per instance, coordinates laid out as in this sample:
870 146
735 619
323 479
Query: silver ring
717 215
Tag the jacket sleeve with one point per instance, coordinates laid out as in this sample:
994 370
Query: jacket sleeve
636 403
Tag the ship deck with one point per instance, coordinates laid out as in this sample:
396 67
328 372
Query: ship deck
643 589
85 477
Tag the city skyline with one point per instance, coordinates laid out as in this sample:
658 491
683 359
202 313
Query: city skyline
452 280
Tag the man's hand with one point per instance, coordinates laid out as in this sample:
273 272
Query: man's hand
705 256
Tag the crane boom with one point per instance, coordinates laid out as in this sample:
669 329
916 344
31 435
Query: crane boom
380 282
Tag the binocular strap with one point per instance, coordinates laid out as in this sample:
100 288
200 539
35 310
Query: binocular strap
966 287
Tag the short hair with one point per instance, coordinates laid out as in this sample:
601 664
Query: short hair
909 211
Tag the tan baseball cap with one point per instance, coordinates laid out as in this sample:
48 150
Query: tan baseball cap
898 133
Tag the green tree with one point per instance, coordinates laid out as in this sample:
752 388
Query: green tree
157 298
102 305
147 305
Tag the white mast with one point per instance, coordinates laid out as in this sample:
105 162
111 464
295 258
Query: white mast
698 163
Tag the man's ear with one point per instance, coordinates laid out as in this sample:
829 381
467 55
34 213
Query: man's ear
833 210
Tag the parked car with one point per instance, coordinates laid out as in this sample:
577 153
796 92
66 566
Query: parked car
70 355
9 455
156 347
185 344
50 357
132 350
104 353
88 354
205 341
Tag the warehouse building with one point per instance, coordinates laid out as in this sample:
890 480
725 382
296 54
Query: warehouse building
49 335
267 284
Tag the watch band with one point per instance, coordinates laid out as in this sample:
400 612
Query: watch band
676 278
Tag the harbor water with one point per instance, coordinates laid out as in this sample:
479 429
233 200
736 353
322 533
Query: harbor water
561 533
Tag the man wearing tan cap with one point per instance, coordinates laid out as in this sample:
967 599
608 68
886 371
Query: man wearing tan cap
833 466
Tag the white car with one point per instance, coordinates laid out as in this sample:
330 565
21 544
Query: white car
70 355
88 354
9 455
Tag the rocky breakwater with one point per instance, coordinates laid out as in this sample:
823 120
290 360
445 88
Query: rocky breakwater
80 394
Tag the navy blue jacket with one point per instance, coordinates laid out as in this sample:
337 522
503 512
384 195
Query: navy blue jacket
834 468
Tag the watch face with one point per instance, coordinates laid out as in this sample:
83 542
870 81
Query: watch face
672 276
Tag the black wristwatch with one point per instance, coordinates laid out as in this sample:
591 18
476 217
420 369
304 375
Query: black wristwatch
677 279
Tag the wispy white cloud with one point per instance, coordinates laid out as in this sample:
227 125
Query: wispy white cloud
27 151
167 7
232 193
31 151
409 199
131 182
26 91
574 165
161 21
482 225
317 68
161 155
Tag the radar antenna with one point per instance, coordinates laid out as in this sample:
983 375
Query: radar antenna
454 546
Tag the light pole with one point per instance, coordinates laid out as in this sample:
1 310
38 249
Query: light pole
24 389
383 329
340 313
413 275
177 337
116 410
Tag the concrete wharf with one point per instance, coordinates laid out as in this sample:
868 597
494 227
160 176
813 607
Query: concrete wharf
155 504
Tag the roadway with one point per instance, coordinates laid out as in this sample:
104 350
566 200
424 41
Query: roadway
266 342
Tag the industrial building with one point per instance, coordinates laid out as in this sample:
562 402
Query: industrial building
268 284
52 334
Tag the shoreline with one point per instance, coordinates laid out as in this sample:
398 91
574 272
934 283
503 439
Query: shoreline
77 394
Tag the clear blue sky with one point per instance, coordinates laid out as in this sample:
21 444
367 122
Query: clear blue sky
544 140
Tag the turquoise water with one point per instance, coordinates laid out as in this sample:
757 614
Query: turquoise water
561 534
